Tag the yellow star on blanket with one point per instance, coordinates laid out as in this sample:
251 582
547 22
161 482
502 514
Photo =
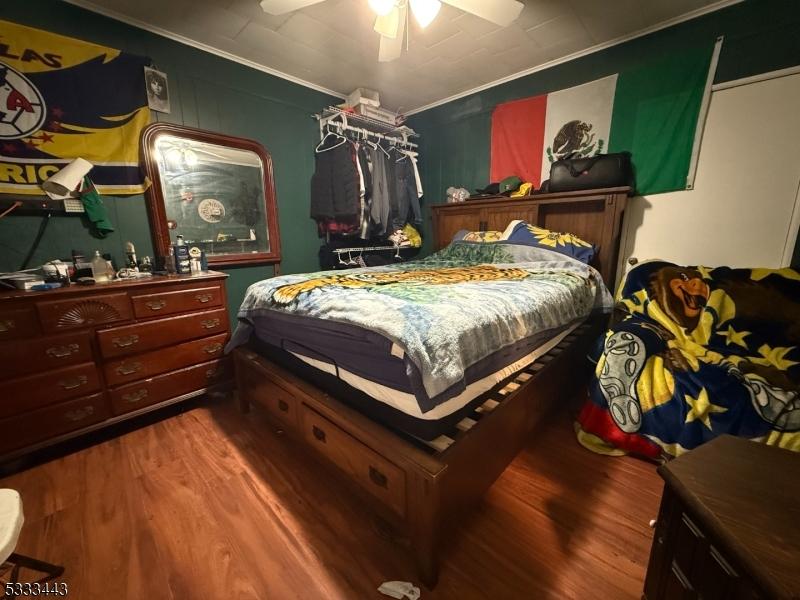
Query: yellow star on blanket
701 409
735 337
775 357
637 304
705 272
759 274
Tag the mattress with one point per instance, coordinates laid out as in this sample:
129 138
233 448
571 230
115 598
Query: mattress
366 371
423 339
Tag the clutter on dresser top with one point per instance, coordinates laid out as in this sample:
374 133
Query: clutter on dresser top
100 268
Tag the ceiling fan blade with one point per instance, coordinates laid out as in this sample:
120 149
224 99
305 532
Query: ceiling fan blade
499 12
279 7
388 25
391 48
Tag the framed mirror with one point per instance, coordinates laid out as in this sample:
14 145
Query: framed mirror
215 190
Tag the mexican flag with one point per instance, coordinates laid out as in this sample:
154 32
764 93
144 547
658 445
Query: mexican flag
656 112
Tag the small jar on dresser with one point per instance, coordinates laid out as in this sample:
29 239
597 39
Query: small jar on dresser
80 358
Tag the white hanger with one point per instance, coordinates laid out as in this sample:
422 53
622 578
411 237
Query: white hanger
319 148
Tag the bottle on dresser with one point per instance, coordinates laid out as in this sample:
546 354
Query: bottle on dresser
99 268
182 264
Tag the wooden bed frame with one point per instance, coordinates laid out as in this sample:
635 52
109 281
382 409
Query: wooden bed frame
423 488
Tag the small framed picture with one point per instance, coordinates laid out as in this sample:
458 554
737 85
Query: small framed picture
157 90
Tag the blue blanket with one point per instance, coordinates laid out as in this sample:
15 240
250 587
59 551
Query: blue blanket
697 353
445 312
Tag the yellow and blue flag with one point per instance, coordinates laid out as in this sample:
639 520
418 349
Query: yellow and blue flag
62 98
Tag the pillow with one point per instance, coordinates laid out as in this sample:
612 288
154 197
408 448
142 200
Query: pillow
478 236
520 232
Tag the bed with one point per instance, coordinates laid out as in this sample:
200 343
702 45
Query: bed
408 420
696 353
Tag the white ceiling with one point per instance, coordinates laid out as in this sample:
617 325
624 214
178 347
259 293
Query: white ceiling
331 45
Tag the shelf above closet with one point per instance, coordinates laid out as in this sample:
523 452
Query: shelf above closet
355 122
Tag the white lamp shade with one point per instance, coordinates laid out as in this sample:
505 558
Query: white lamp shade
381 7
425 11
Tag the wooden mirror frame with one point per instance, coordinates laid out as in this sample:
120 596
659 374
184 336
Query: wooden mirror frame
156 209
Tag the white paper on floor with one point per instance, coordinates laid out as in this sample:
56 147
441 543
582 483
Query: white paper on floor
399 589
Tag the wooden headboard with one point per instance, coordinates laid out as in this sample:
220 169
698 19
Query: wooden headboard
592 215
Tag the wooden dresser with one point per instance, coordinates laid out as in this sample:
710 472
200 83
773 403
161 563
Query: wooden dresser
79 358
729 524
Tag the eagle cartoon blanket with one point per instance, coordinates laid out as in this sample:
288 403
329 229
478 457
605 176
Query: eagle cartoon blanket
695 353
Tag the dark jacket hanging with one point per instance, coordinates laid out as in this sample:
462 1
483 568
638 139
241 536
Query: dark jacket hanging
335 184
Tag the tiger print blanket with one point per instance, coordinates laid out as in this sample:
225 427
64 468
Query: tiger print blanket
445 312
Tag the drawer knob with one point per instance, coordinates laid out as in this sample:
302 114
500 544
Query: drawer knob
209 323
74 382
135 397
203 298
7 325
212 348
377 477
79 414
125 341
318 433
283 406
213 373
128 369
156 304
62 351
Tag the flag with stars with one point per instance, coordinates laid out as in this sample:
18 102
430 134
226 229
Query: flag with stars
62 98
697 353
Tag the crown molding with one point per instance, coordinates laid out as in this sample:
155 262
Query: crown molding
117 16
591 50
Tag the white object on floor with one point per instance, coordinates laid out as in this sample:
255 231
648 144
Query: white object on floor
399 589
11 520
652 522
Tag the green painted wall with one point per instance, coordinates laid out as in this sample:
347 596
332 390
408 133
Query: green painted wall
207 92
760 36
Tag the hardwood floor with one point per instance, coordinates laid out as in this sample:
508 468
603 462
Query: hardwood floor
212 504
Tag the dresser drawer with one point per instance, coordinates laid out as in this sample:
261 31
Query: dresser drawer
165 303
42 354
18 322
143 393
39 425
174 357
28 393
374 473
280 402
130 339
90 311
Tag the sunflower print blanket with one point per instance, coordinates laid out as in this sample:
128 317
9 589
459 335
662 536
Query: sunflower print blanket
696 353
445 312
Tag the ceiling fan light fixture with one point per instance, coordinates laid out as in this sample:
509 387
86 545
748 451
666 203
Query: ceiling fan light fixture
425 11
382 7
388 25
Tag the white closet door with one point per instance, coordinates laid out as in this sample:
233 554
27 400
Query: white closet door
742 211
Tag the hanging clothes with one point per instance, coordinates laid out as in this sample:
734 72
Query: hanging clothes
336 189
365 190
413 157
406 190
382 189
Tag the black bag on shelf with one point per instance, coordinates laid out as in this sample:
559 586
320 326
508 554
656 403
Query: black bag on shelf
594 172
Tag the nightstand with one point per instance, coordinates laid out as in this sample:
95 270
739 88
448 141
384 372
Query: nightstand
729 524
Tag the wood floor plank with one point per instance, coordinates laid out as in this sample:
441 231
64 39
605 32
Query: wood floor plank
210 503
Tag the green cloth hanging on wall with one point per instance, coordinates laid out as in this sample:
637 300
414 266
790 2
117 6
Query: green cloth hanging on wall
95 209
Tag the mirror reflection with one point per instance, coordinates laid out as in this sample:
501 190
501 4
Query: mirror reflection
213 196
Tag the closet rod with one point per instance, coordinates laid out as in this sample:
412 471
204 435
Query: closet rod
342 124
380 136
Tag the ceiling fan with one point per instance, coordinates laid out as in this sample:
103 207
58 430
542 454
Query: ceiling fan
392 16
